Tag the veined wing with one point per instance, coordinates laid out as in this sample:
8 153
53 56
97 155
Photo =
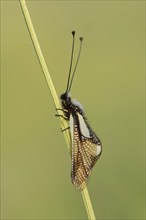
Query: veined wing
86 149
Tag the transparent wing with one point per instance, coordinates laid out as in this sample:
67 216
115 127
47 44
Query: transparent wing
85 151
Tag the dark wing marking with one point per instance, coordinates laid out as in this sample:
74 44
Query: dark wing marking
85 153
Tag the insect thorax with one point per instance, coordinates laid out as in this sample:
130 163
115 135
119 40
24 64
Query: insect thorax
70 106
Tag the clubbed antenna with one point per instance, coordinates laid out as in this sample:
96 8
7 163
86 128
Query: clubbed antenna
81 39
70 68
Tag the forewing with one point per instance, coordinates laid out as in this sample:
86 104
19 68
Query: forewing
85 152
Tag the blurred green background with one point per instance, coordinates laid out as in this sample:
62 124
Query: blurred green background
109 82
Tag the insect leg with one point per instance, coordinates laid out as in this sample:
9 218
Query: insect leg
57 115
65 129
61 109
66 113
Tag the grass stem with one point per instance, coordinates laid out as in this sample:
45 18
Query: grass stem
84 192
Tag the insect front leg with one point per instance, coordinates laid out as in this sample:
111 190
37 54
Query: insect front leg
65 111
62 109
65 116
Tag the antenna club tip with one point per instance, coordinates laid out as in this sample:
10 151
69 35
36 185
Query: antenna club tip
81 38
73 33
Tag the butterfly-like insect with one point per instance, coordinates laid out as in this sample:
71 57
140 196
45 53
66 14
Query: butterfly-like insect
86 146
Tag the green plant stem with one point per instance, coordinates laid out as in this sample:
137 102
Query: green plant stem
84 192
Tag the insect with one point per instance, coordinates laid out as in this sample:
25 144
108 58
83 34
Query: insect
86 146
